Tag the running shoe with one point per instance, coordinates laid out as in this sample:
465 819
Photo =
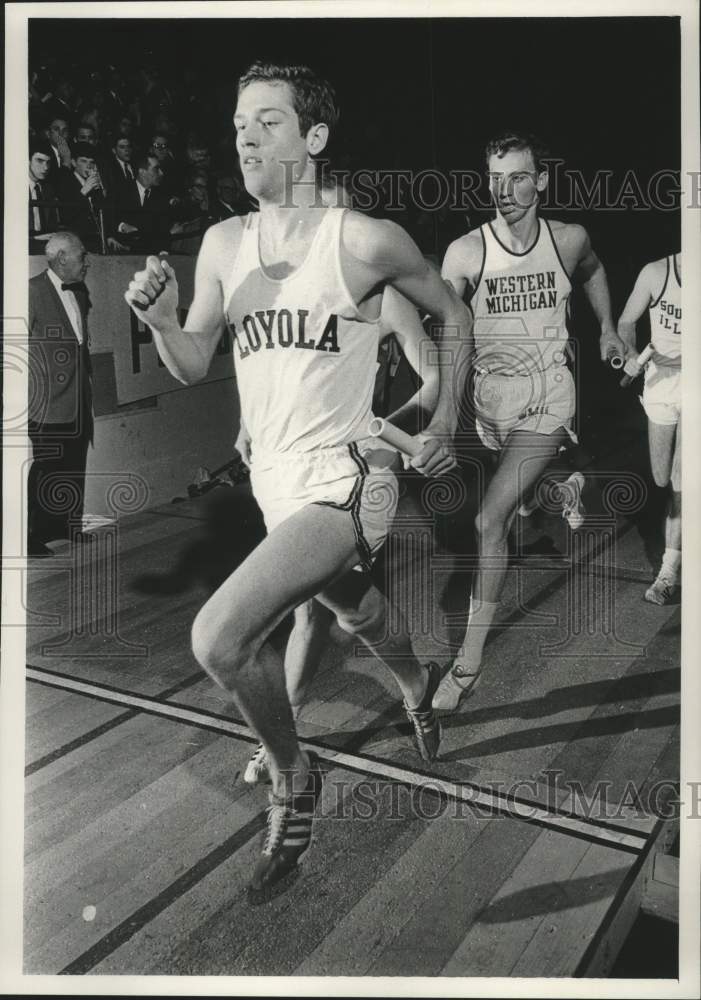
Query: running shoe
661 591
288 835
528 507
257 770
571 494
427 728
453 688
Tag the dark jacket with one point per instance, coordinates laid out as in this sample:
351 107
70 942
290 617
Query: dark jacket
48 210
152 219
81 213
60 389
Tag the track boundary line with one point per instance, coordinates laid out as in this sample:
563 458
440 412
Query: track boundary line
471 793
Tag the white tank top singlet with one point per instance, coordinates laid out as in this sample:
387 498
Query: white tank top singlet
305 356
520 306
666 320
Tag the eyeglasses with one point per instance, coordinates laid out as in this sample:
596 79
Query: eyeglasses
160 145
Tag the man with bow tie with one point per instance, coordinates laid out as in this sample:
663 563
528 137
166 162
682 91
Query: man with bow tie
60 395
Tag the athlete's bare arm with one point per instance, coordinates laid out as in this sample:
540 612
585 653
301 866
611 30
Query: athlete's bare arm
583 265
462 263
647 287
153 295
378 253
401 318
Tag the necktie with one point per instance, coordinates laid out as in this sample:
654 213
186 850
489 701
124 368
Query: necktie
71 286
38 213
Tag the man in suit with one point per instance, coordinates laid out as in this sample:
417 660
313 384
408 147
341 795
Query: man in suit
43 215
83 193
232 198
118 172
57 133
60 394
142 212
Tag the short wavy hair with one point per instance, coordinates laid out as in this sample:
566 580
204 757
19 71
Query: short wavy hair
313 98
507 142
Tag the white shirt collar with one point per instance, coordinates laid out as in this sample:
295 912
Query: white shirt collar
70 303
56 281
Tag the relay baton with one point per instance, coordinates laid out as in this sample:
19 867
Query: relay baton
615 360
395 437
641 360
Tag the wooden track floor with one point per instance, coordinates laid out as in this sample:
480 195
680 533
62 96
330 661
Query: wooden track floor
510 856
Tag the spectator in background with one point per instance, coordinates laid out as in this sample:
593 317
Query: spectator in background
197 152
86 133
114 92
172 175
142 212
155 96
164 124
61 103
195 216
231 199
43 217
85 210
124 126
118 171
60 408
57 133
92 114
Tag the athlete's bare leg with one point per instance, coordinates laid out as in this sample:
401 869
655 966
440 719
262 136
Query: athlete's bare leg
230 633
664 441
362 610
303 556
523 460
305 648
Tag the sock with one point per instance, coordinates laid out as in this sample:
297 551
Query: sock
479 620
671 563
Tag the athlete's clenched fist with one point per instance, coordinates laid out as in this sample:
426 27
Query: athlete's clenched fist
153 292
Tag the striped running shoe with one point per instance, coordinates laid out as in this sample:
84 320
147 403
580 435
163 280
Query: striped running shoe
427 728
661 591
571 495
257 771
288 835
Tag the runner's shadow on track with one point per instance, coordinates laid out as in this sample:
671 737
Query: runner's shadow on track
551 897
633 687
232 527
567 733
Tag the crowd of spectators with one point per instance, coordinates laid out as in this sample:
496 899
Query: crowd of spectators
127 160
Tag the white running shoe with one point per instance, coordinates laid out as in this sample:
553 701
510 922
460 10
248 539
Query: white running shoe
528 507
661 591
257 771
571 494
452 688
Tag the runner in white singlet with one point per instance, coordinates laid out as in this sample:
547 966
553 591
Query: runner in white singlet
306 347
517 272
400 321
659 290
